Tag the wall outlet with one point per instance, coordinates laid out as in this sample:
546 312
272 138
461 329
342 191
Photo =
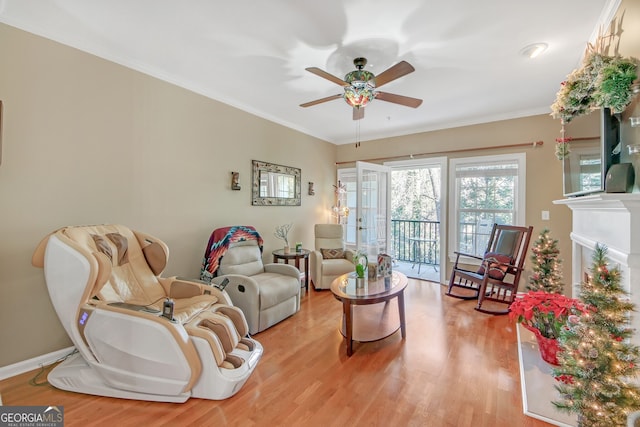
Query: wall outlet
545 215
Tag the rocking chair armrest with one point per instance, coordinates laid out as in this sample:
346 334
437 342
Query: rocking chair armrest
512 267
467 255
462 254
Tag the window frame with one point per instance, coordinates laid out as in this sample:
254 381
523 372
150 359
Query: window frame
520 194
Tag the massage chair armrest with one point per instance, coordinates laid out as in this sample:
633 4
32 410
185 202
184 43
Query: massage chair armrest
284 269
178 287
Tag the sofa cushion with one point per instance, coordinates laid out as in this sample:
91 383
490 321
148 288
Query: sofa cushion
332 253
275 288
336 267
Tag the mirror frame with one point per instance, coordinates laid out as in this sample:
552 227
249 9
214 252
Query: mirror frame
259 166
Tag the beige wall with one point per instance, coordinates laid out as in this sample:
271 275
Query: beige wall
87 141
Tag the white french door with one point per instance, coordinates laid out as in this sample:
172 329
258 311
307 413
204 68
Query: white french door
373 225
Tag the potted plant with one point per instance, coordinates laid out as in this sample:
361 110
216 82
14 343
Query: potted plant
282 232
361 261
545 314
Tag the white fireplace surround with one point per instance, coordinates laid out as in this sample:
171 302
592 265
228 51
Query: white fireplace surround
612 220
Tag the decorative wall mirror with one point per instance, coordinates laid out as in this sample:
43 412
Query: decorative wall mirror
275 185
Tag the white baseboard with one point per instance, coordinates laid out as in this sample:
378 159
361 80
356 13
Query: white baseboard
31 364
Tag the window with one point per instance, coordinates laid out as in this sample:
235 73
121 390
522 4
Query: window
487 190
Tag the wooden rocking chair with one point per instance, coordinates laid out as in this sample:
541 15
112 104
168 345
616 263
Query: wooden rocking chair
496 281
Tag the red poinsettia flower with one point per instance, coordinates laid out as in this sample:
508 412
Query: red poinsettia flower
567 379
546 312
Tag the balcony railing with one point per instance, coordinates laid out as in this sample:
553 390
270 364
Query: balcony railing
416 241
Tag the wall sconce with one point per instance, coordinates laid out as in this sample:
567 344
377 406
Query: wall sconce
635 121
235 179
312 192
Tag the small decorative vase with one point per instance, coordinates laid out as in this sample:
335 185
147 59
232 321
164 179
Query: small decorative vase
548 347
286 249
360 282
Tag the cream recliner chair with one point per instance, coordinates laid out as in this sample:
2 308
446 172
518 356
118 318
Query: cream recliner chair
266 293
329 238
105 287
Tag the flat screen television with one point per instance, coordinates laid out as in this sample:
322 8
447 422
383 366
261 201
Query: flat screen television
589 159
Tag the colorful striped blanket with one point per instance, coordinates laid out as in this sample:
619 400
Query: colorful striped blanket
219 243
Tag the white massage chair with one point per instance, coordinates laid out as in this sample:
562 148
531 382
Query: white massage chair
132 342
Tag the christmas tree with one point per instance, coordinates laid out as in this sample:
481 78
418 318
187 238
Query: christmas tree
547 275
597 361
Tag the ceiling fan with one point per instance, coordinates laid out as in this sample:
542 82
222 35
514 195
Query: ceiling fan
360 86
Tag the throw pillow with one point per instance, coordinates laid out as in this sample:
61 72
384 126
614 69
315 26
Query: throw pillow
332 253
495 261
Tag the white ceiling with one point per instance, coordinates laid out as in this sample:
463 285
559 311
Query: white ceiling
253 54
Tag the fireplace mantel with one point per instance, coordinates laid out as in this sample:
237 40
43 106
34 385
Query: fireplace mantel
601 200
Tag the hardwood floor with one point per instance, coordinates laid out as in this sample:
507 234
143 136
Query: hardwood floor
457 367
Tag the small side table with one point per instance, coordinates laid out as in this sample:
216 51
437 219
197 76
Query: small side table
296 256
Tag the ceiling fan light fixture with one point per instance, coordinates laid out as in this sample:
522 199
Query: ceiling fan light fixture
359 94
361 86
533 50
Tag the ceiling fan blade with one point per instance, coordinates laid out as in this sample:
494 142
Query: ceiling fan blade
321 100
399 99
321 73
358 113
402 68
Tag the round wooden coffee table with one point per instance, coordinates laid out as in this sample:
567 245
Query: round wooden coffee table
368 313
